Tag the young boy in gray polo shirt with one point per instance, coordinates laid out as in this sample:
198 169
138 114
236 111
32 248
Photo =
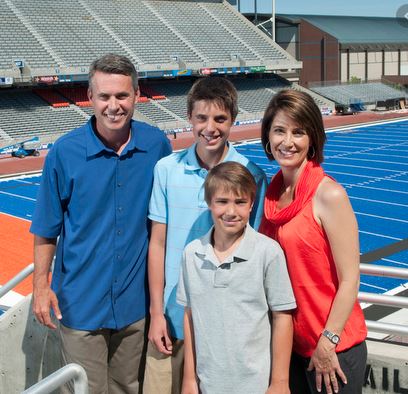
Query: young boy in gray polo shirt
231 278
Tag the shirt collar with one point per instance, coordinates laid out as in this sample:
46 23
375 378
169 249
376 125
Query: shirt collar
95 146
242 253
194 165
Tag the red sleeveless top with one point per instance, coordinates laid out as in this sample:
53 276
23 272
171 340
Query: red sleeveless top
310 263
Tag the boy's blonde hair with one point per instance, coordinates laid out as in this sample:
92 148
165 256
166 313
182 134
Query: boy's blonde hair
232 177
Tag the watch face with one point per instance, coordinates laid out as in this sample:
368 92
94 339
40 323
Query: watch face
335 339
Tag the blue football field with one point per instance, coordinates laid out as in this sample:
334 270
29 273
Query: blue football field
371 162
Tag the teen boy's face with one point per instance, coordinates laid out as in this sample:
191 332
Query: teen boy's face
211 127
230 212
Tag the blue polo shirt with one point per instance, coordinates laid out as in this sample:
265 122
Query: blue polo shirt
97 203
178 201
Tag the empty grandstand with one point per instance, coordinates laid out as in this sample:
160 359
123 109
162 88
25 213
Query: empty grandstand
46 52
51 112
43 39
365 93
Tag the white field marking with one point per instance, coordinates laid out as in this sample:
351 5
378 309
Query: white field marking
381 217
375 178
366 126
381 202
364 145
17 195
367 168
380 235
363 139
398 289
395 262
375 134
386 146
27 182
15 217
344 154
373 286
357 185
370 160
23 176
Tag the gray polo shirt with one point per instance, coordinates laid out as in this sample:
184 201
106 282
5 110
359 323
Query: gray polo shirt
230 302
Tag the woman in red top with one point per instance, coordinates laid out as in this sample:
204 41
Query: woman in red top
311 217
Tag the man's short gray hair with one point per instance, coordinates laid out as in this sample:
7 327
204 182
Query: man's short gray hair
113 64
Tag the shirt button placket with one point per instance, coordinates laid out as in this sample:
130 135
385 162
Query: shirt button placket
118 228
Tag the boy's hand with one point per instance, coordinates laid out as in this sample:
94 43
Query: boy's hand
158 334
190 386
278 388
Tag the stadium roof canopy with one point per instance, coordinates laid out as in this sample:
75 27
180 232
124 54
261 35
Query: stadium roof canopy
355 32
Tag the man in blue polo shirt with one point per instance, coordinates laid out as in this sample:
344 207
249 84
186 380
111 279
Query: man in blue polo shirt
94 196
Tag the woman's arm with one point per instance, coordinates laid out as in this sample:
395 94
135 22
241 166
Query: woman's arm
332 209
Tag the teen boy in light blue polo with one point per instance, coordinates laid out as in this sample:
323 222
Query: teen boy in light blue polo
231 278
179 214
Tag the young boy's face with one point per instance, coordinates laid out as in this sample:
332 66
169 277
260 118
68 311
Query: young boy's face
230 212
211 127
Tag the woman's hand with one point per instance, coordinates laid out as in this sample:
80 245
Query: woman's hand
326 365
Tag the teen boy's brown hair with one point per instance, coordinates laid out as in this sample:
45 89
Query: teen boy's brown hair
218 90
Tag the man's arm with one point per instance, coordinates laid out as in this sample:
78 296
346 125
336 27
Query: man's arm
158 332
282 338
43 297
190 385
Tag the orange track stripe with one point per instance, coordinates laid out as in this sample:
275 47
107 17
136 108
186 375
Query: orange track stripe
16 250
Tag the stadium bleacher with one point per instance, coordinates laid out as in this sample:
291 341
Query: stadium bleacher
23 114
366 93
155 34
185 37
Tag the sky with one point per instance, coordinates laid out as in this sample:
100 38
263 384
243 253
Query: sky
386 8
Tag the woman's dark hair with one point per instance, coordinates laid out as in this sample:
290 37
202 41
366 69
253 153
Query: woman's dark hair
302 109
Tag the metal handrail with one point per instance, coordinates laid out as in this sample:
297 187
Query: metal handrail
383 299
370 269
59 378
13 282
382 270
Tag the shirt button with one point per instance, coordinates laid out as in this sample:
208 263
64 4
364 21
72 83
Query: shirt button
120 209
119 184
118 256
119 232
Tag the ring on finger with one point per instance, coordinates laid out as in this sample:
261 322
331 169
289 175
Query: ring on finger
332 377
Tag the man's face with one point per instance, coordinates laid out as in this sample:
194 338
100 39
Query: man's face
211 127
113 98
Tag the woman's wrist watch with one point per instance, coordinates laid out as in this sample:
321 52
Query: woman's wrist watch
333 338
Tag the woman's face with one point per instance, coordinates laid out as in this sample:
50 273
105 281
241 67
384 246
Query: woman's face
289 143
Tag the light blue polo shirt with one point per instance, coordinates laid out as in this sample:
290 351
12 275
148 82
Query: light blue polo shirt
178 201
